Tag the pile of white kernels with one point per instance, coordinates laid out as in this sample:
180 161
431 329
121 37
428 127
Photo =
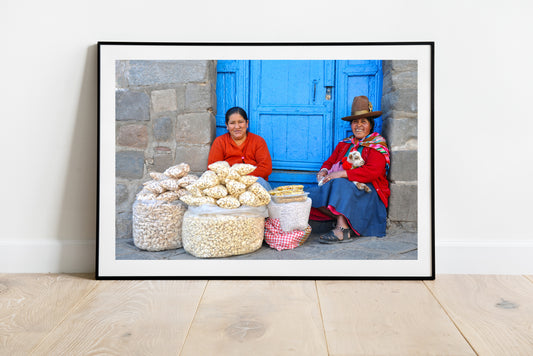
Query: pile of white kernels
222 235
158 212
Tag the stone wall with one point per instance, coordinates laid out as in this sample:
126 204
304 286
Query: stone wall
165 115
400 115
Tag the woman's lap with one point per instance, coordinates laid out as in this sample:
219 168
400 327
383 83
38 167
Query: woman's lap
365 212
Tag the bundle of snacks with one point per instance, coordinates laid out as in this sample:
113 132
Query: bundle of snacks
288 224
158 211
211 231
157 224
228 187
288 193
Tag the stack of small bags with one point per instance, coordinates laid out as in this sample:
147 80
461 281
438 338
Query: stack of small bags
228 187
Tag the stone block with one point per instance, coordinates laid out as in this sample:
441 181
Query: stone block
200 97
147 72
129 164
403 165
194 155
121 195
162 129
403 203
135 136
401 100
132 105
399 132
400 65
124 226
164 100
196 128
162 160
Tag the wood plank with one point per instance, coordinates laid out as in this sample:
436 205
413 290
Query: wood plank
128 318
257 317
386 318
31 305
494 313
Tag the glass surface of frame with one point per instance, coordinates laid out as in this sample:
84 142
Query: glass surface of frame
160 104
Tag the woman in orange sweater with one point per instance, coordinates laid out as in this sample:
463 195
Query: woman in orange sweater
240 146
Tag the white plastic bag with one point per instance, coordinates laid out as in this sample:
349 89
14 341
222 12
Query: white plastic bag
292 216
211 231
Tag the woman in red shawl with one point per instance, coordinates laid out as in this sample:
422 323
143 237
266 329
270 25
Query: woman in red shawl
356 212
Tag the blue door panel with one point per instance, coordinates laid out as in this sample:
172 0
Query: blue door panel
295 141
289 110
356 78
231 90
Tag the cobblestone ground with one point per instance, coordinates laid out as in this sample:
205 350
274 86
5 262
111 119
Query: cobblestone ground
394 246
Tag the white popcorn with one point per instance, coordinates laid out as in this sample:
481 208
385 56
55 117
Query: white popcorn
207 180
177 171
243 168
221 235
157 225
228 202
221 168
218 191
248 180
235 188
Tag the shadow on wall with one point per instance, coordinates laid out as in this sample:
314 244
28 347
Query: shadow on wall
77 220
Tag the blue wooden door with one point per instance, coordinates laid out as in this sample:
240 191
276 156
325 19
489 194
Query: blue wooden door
296 106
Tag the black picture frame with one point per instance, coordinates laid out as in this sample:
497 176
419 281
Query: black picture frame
108 266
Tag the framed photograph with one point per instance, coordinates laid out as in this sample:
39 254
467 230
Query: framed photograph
265 161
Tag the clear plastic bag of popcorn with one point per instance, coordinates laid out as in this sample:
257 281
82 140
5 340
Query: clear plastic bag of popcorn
234 187
250 199
170 184
169 196
208 179
145 194
228 202
221 168
177 171
194 190
157 224
232 175
187 180
154 187
211 231
248 180
218 191
262 194
243 168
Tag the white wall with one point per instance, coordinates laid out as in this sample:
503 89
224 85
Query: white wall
482 102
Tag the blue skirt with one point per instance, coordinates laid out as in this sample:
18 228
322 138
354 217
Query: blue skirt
365 212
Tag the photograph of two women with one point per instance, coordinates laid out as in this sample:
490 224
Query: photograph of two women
283 160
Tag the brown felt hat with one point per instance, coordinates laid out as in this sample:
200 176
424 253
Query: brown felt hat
361 107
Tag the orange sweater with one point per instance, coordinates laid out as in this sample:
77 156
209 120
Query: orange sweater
253 150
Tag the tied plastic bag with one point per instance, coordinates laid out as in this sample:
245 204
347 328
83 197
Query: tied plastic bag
157 224
280 240
292 216
211 231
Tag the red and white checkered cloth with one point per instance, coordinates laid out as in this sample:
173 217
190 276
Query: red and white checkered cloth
276 238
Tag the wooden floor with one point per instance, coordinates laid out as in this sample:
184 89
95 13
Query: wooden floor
43 314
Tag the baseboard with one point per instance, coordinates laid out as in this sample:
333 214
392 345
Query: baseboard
47 256
452 257
484 257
